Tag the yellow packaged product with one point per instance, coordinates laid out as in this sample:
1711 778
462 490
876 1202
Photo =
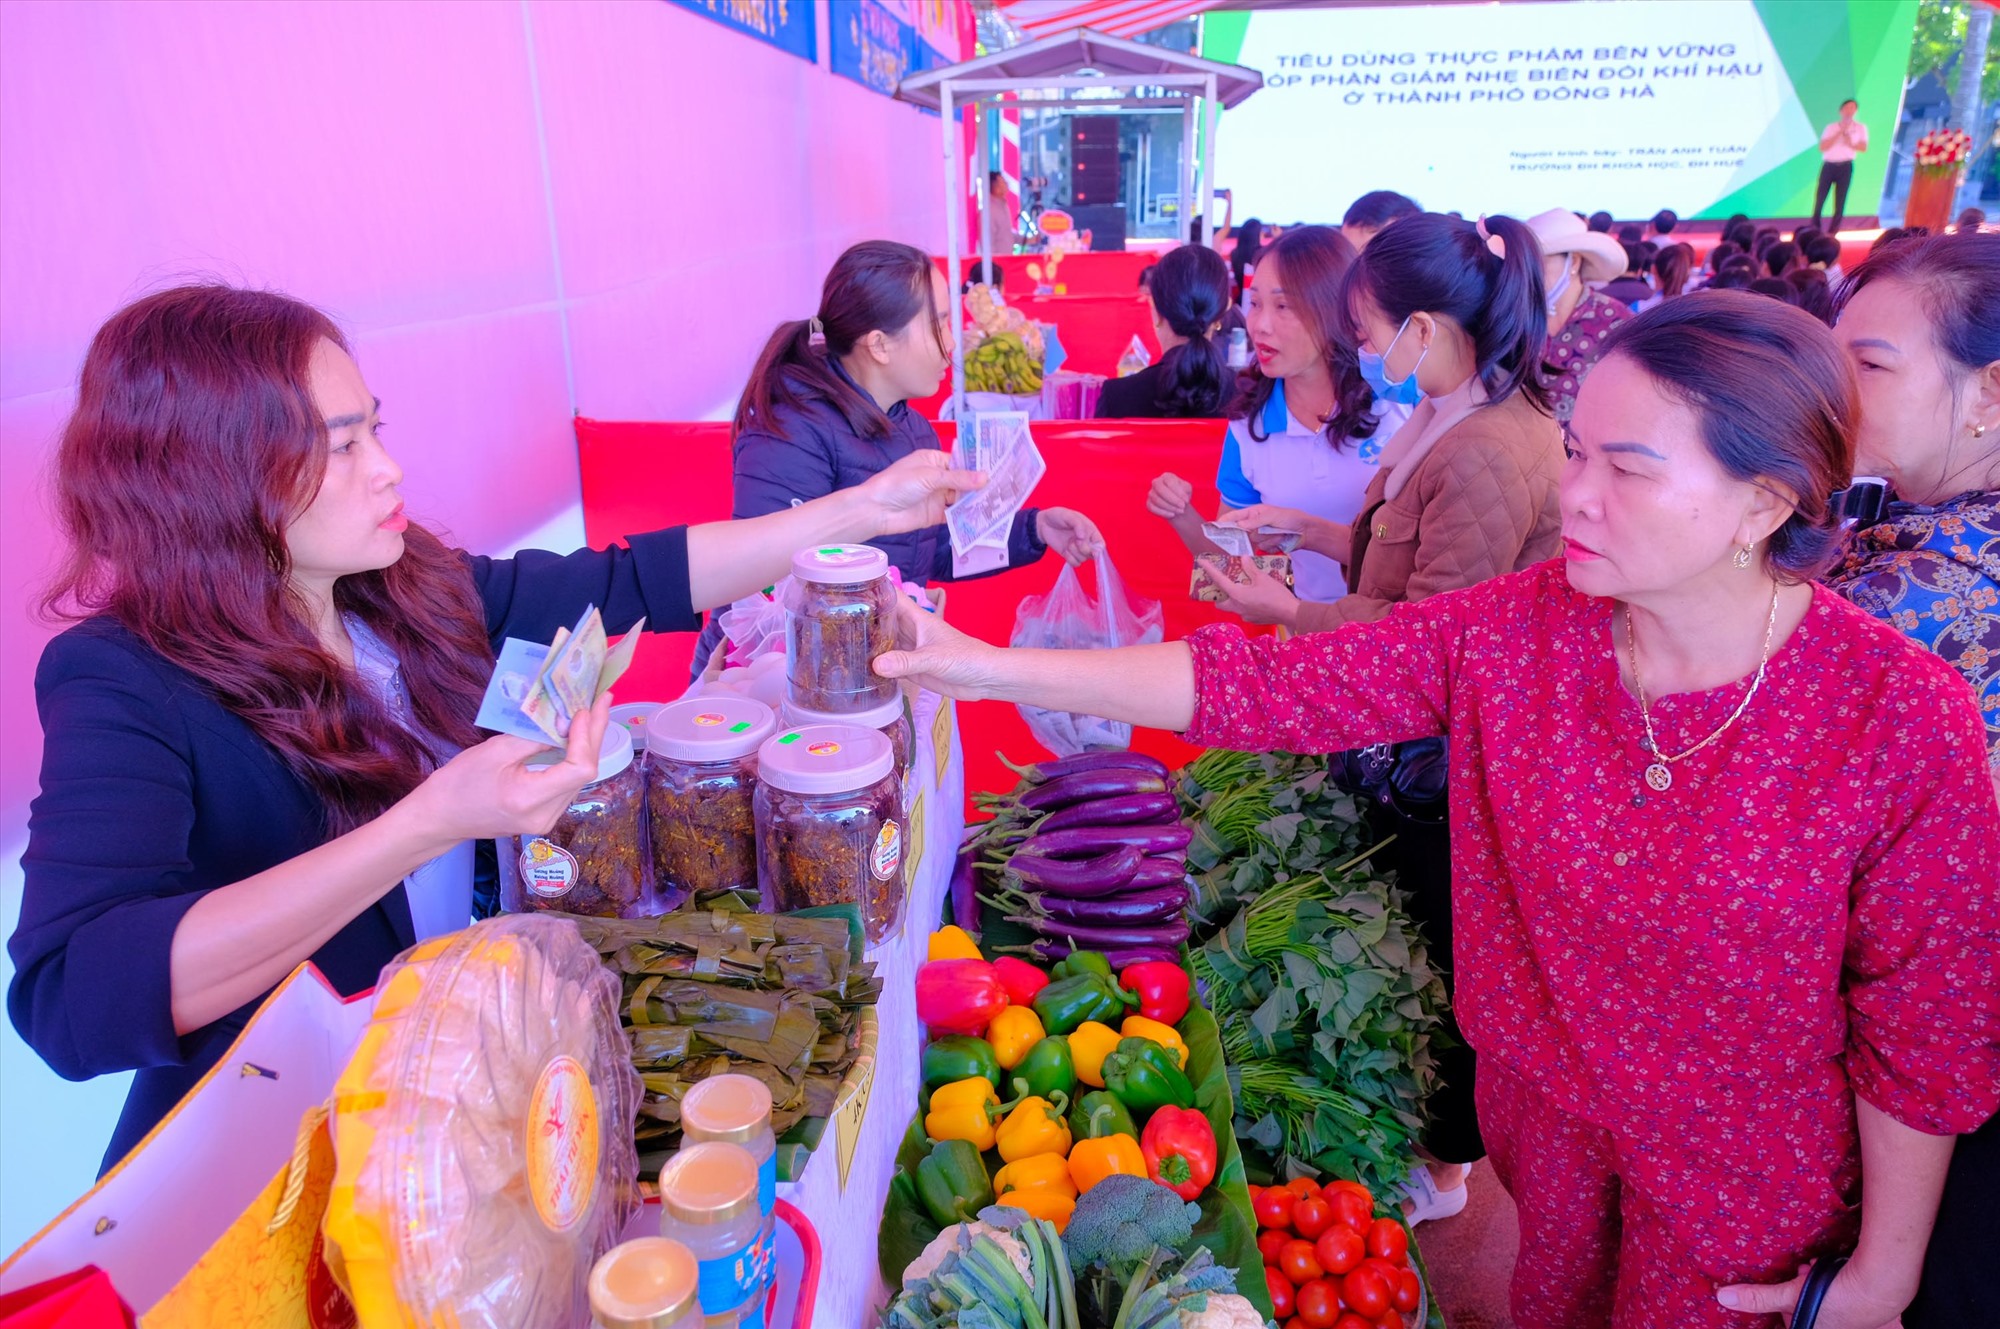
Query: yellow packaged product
483 1134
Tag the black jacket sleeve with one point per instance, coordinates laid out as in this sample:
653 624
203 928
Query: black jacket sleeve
534 593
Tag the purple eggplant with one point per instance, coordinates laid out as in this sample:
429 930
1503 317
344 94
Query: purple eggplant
1043 772
1091 787
1159 872
1149 906
1090 841
1106 874
1129 810
965 889
1168 933
1048 950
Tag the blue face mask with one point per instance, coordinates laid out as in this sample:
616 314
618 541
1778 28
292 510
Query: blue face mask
1404 393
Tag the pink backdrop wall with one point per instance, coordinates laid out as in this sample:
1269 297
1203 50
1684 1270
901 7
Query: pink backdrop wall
516 207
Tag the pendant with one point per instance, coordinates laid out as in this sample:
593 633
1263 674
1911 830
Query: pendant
1658 776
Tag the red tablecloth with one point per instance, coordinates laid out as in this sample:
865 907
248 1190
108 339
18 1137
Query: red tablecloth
640 476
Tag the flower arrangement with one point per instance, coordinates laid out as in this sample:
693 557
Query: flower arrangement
1944 148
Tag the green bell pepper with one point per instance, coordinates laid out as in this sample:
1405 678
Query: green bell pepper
1098 1114
1047 1070
959 1057
1069 1002
1082 962
952 1182
1146 1075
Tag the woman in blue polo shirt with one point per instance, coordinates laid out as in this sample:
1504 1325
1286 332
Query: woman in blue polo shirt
1307 431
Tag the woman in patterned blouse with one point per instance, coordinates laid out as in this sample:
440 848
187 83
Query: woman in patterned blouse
1727 893
1922 323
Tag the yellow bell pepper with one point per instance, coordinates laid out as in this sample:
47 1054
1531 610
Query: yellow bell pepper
1038 1172
1052 1206
964 1110
949 943
1089 1044
1035 1126
1138 1026
1012 1033
1094 1160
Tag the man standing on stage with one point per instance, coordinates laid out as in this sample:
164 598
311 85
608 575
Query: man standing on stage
1839 144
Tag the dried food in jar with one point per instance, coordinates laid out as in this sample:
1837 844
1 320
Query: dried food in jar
840 616
701 784
891 720
592 861
830 823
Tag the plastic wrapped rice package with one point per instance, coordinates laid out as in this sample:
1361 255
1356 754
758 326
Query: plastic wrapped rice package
483 1133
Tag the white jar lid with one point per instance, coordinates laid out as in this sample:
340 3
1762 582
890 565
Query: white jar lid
840 565
634 715
716 726
825 759
613 755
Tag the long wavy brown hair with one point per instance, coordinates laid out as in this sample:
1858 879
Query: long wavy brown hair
195 442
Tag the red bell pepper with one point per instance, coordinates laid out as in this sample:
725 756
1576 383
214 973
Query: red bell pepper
959 996
1179 1146
1161 987
1021 979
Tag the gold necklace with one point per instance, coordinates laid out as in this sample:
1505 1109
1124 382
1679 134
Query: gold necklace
1658 774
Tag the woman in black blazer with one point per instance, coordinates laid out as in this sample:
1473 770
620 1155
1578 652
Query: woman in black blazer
1192 381
258 737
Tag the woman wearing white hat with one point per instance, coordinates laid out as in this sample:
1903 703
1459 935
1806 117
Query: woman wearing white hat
1580 317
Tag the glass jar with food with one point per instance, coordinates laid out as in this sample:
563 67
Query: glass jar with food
840 615
830 823
593 860
891 719
634 715
701 780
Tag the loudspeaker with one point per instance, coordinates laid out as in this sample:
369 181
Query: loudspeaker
1105 222
1093 161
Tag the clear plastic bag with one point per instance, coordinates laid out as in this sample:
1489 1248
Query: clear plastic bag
1068 618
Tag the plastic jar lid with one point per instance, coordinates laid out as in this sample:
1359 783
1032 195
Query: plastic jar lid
716 727
633 715
613 756
708 1184
644 1282
875 717
735 1109
825 759
840 565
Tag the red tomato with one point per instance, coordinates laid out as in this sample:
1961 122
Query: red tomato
1352 1321
1280 1289
1390 1320
1357 1188
1311 1216
1351 1209
1388 1240
1274 1208
1366 1293
1299 1263
1303 1187
1389 1270
1255 1191
1271 1242
1409 1290
1296 1323
1339 1249
1319 1304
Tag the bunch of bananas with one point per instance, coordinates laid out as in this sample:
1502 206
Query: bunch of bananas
1001 363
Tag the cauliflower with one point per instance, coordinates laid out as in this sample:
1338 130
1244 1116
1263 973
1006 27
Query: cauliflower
947 1241
1225 1310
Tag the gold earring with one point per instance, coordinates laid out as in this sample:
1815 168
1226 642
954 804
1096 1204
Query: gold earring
1979 431
1741 558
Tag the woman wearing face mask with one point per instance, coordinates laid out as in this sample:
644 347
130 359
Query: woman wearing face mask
828 406
258 739
1722 845
1921 320
1190 294
1575 262
1307 430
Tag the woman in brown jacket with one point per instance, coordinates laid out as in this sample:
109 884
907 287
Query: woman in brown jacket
1467 490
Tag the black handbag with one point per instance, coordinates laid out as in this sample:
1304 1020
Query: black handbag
1818 1279
1409 778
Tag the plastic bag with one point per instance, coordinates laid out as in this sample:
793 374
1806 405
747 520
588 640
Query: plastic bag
1069 619
1136 357
755 625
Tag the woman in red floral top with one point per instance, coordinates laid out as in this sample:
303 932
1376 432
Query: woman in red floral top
1735 987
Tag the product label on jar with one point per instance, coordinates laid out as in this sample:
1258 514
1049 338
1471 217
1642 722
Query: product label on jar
767 1184
547 869
708 719
729 1281
823 749
843 556
888 853
563 1144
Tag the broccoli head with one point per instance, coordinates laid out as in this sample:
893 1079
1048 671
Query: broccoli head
1119 1221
